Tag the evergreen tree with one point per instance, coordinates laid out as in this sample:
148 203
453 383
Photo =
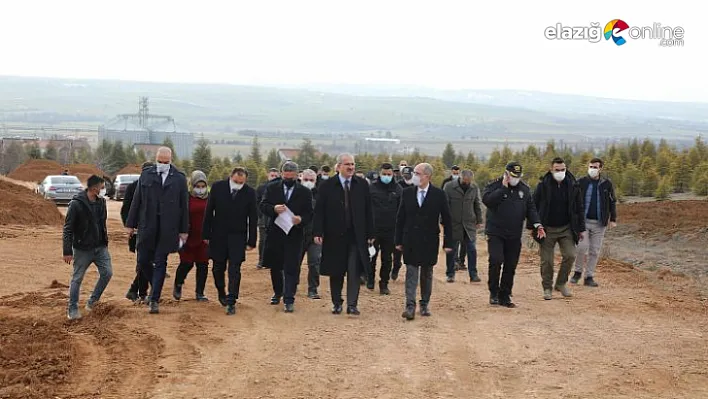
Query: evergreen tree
13 156
680 174
50 152
130 155
102 158
255 155
117 158
238 158
650 183
307 155
648 149
448 156
33 151
169 144
700 174
635 151
201 157
273 160
663 192
631 182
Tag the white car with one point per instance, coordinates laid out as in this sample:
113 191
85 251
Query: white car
60 188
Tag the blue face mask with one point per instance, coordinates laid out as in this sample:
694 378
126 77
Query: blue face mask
385 179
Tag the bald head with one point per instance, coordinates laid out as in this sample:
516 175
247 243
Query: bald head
424 171
164 155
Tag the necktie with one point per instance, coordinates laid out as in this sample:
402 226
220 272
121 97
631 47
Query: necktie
422 198
347 212
288 192
234 191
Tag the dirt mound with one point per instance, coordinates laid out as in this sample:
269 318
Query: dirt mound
665 217
20 205
56 284
36 357
35 170
130 170
32 299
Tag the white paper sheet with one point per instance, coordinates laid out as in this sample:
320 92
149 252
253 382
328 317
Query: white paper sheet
285 220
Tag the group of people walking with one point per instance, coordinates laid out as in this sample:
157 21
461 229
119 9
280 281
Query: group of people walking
341 225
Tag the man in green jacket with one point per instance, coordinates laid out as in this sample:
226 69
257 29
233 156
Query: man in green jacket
464 199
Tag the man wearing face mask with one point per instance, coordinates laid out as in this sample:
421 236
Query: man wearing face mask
405 182
559 202
323 175
160 213
85 241
309 248
385 199
454 175
263 220
463 197
509 202
283 251
230 229
600 212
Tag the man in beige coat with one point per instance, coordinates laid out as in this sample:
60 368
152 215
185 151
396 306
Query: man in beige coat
464 199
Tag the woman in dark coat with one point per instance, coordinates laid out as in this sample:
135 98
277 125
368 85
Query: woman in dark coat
195 249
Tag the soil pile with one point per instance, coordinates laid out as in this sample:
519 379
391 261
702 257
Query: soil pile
35 170
665 217
130 170
20 205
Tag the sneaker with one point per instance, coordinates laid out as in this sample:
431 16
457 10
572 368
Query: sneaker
424 311
143 300
548 294
565 291
89 306
450 279
590 282
493 299
154 307
575 278
73 314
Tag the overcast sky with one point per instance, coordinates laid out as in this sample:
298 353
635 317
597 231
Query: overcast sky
462 44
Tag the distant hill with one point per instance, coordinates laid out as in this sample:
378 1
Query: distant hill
350 109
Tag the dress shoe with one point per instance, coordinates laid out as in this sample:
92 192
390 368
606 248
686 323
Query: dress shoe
493 300
222 300
313 295
352 310
507 304
154 307
450 279
424 311
337 309
275 300
475 279
177 292
202 298
230 310
383 289
132 295
409 314
394 274
576 277
289 307
590 282
370 284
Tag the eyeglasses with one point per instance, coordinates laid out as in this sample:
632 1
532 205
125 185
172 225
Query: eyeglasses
310 180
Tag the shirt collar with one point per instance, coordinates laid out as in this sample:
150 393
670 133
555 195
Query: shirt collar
342 179
426 188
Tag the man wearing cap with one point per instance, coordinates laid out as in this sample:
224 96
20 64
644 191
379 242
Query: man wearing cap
454 175
559 201
323 175
405 182
509 202
344 225
230 229
385 199
283 251
263 220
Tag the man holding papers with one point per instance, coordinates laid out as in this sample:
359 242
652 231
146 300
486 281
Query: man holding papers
288 204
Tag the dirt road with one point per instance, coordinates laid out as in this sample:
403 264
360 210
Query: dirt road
641 335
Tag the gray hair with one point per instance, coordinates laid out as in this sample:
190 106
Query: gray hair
309 173
427 168
290 166
341 156
164 150
466 174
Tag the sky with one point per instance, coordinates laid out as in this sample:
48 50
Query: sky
438 43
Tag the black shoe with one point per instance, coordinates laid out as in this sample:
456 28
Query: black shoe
133 296
370 284
383 289
143 300
289 308
230 310
313 295
394 274
154 307
450 279
275 300
352 310
362 280
409 314
202 298
507 303
177 292
337 309
475 279
222 299
590 282
493 300
576 277
424 311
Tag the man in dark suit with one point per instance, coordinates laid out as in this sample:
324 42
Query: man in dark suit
343 225
139 287
405 181
418 236
160 213
385 199
263 219
283 251
230 228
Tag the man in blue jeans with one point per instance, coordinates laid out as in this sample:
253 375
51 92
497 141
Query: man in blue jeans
85 241
464 199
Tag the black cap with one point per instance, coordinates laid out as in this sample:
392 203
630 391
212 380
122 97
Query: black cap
396 169
325 168
514 169
455 167
407 170
313 168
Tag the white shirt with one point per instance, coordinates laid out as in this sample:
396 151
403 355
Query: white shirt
288 191
164 177
421 189
233 185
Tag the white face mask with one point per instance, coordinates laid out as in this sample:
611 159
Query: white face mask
163 167
408 181
309 184
559 176
514 181
102 193
238 186
593 172
325 177
416 180
200 191
455 177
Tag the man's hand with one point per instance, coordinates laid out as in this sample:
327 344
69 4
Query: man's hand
371 241
479 226
130 231
506 180
581 236
249 248
68 259
541 233
297 220
318 240
613 225
399 247
183 237
448 250
279 209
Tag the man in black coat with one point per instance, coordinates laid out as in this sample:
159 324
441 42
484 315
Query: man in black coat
139 287
160 213
344 225
558 198
283 251
230 228
405 181
422 209
509 203
263 220
385 199
309 248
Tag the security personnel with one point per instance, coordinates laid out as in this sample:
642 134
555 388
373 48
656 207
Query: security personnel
509 202
405 182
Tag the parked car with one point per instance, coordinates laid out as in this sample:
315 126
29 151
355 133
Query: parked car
121 183
60 188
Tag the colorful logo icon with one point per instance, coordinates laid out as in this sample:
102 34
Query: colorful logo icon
610 31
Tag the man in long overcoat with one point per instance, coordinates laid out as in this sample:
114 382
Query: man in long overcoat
344 225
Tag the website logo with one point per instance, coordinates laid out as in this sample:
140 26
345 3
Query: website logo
619 31
610 31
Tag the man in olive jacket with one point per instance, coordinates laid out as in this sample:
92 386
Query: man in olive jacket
466 210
